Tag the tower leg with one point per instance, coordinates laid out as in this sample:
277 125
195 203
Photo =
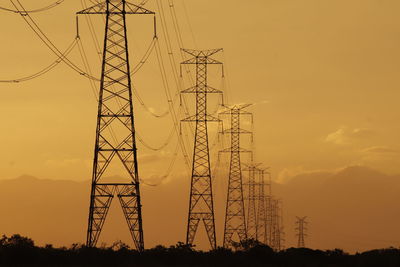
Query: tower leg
100 202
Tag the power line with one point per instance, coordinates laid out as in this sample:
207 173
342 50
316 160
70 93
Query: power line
46 69
163 145
189 24
171 57
57 3
42 36
174 116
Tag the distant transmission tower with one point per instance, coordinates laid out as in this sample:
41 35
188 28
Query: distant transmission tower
235 219
201 204
301 228
268 218
252 198
115 112
262 219
277 233
281 228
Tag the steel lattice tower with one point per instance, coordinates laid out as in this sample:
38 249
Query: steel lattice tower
261 209
235 219
301 231
275 229
268 201
252 198
277 225
115 133
201 203
269 229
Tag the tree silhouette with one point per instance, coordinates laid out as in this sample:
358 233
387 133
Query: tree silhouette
18 250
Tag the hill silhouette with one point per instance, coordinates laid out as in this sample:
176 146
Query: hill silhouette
354 209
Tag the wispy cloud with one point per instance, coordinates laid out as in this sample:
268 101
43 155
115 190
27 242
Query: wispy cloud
362 133
380 150
288 174
345 135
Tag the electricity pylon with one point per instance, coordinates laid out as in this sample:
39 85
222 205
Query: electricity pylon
235 219
281 228
301 228
201 203
252 198
261 209
277 233
115 133
268 200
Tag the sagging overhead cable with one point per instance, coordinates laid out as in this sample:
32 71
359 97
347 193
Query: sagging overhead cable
42 36
162 146
46 69
57 3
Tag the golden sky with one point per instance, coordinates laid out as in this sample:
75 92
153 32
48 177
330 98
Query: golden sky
322 75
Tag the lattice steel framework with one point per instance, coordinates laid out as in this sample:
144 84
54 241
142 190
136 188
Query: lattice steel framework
201 204
115 133
269 229
268 201
277 233
235 215
252 200
301 228
262 209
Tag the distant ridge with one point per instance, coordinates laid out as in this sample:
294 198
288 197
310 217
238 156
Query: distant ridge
355 208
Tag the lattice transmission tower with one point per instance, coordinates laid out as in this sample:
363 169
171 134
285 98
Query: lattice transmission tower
201 203
252 200
115 133
277 231
268 203
235 214
262 219
301 228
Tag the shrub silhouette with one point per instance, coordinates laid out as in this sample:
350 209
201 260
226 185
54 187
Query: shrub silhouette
21 251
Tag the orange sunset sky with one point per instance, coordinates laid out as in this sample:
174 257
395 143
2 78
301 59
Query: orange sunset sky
323 80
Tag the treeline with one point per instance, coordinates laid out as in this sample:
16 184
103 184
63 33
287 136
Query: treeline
21 251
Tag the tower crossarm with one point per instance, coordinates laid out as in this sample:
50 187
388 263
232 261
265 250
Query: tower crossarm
238 108
205 60
202 53
207 89
238 112
236 131
251 166
102 8
206 118
239 150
